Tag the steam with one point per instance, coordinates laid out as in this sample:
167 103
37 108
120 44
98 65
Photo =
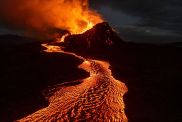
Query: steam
46 16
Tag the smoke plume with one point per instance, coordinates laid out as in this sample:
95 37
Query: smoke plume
46 16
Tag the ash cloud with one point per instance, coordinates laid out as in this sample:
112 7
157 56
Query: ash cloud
38 17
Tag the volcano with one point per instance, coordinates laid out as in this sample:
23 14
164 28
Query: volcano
100 40
100 36
86 75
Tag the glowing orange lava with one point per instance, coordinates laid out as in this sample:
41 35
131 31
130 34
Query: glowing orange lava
99 98
61 39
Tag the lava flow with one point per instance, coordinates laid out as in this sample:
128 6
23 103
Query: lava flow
99 98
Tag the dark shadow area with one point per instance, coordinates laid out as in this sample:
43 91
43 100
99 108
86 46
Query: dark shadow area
153 75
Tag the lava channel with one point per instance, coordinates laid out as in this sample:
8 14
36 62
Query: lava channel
98 98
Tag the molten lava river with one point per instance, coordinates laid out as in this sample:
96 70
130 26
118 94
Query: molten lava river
98 98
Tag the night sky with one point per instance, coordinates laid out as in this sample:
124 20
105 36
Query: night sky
153 21
159 19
